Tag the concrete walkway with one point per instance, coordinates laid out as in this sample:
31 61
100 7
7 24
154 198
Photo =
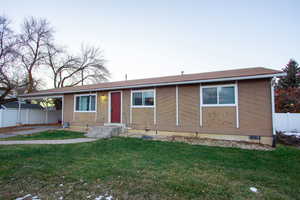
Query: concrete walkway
66 141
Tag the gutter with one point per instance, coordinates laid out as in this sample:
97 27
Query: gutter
158 84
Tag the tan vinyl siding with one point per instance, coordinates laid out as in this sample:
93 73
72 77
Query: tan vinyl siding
219 118
166 107
189 102
255 106
102 107
84 117
143 118
68 107
126 107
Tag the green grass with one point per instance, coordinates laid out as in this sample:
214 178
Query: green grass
130 168
48 135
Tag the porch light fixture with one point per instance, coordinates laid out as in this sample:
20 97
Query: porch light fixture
103 98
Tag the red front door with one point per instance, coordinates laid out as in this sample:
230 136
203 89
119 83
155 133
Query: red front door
115 111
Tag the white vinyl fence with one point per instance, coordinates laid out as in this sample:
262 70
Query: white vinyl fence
11 117
287 122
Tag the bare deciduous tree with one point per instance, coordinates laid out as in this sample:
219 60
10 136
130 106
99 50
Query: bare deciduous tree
35 38
60 63
11 74
88 67
23 56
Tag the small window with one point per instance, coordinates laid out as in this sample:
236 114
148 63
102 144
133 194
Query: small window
210 96
218 95
143 98
148 98
86 103
137 98
226 95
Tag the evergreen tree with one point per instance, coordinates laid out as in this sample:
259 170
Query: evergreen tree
292 79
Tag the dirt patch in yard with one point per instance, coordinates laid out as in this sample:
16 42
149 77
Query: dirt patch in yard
25 127
204 141
291 140
221 143
8 130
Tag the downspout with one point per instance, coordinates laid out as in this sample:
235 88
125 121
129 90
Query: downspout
46 120
62 110
19 111
273 111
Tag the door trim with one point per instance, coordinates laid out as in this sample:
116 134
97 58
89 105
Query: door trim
109 105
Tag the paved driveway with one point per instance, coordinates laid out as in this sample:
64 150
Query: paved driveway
33 129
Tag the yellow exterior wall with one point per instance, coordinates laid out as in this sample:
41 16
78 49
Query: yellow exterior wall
165 104
219 117
86 118
102 107
143 118
126 106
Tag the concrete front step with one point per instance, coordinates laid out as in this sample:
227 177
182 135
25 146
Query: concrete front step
115 124
106 131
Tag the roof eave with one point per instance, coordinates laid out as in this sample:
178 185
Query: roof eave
158 84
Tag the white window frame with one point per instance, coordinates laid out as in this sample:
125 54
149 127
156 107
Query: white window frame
78 95
218 88
142 106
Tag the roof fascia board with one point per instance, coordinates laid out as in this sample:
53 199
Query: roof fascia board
41 96
161 84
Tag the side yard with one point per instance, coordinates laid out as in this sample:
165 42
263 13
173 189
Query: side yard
130 168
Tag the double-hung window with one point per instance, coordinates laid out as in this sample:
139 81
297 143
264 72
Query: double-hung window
85 103
222 95
143 98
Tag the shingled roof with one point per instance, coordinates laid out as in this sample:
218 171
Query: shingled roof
235 74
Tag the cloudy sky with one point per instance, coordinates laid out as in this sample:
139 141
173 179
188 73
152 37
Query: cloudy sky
157 38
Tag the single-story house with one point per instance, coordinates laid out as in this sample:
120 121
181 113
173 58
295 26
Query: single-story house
232 105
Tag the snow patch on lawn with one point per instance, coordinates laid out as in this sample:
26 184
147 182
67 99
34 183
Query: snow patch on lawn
253 189
27 196
35 198
104 197
24 197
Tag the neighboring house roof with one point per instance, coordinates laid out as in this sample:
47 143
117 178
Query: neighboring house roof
236 74
15 105
8 96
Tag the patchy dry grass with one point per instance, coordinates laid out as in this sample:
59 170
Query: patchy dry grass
129 168
48 135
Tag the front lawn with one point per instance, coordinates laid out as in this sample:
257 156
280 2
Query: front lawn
129 168
48 135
